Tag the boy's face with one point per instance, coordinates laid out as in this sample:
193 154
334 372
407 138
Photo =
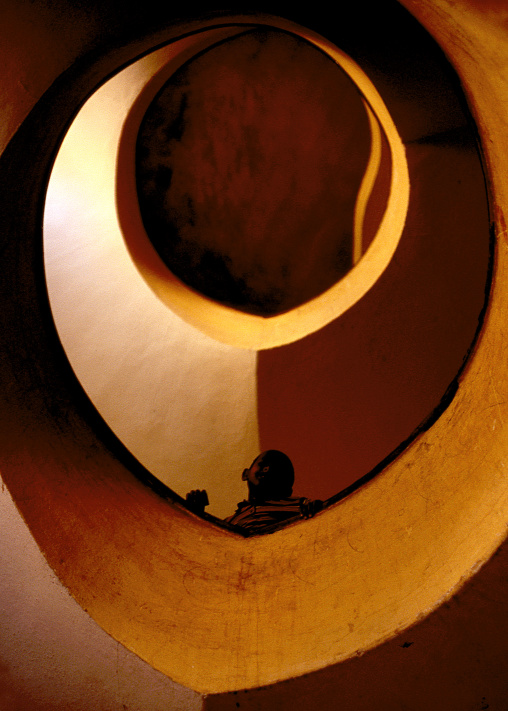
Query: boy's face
259 477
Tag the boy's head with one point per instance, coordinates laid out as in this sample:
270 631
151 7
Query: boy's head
270 476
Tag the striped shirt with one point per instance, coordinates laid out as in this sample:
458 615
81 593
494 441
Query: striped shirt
256 517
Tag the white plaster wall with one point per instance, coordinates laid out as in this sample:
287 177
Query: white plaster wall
184 404
53 656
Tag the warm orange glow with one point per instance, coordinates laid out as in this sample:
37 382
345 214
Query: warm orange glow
216 612
367 186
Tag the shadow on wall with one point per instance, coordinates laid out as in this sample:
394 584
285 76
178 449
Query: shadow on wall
342 399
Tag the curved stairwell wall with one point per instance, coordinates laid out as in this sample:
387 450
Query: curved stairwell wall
301 609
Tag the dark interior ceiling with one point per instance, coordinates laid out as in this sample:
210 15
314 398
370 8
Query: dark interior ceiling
249 162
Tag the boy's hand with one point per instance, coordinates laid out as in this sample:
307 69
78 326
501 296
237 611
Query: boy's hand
196 500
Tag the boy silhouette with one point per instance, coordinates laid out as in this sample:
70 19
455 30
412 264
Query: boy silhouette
270 480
